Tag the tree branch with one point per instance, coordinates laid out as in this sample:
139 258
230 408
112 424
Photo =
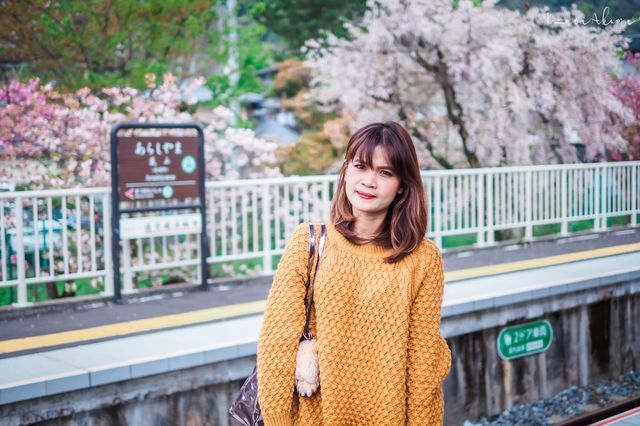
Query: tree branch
440 71
454 109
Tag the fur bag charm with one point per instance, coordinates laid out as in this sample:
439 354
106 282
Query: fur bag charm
307 367
307 375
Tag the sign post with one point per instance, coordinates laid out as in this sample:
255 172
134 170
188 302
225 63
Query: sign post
524 339
149 168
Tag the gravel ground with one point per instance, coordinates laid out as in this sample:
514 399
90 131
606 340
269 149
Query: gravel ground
568 403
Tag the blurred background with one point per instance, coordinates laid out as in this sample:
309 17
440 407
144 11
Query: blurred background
526 120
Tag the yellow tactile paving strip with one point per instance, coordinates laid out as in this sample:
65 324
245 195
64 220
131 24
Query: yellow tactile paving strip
224 312
539 262
129 327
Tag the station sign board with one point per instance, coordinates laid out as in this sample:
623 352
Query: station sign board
148 168
524 339
158 168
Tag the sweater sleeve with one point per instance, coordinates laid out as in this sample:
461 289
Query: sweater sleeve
429 357
281 330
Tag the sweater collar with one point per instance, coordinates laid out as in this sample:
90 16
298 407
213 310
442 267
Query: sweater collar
369 250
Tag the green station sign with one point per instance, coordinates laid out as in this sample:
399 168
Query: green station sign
524 339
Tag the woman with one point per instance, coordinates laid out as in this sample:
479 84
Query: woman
376 303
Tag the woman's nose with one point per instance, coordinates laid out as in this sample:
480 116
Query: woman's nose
369 179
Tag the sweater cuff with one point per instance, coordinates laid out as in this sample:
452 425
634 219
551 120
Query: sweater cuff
283 419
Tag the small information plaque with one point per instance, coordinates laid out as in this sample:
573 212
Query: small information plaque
160 226
525 339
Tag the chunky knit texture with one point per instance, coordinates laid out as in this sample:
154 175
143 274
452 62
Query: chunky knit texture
382 358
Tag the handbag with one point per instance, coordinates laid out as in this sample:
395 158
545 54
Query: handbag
245 407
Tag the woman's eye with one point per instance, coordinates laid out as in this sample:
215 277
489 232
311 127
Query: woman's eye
387 173
358 166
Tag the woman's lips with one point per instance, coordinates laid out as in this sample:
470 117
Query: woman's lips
365 196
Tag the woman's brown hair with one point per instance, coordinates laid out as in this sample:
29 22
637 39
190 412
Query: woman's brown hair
405 225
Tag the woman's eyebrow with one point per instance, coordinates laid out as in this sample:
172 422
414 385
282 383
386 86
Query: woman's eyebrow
382 167
385 166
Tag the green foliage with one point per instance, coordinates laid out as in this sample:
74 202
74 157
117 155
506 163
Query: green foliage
297 21
96 43
310 156
252 55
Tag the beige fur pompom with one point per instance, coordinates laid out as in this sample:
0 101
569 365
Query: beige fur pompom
307 368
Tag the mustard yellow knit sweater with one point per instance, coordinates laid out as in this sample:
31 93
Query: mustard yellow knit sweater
382 358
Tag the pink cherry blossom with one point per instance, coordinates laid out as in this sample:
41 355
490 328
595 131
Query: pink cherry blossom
51 139
627 89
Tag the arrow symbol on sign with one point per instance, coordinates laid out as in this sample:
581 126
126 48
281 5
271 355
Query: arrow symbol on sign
129 194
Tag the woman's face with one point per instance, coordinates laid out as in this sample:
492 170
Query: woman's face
371 189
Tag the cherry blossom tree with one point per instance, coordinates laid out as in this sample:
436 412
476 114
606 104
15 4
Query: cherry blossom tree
52 139
627 89
48 138
477 85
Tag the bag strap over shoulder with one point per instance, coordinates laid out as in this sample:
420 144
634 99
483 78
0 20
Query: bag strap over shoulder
312 247
312 241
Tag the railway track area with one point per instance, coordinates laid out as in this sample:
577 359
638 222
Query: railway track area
604 403
624 413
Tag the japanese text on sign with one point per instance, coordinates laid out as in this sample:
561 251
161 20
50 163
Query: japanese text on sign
525 339
151 168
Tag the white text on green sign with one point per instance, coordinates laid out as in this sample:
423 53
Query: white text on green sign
524 339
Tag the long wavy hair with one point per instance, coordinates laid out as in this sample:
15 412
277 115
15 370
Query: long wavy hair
405 224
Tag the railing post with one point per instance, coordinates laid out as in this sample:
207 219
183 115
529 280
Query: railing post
127 275
597 198
480 182
528 230
326 203
635 199
605 194
564 225
106 241
437 210
267 267
22 277
490 209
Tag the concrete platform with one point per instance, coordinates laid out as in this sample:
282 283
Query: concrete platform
51 372
80 367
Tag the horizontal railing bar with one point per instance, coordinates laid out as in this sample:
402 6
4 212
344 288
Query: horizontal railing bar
44 193
164 265
55 278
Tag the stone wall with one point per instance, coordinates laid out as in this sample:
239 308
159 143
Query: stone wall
595 338
195 397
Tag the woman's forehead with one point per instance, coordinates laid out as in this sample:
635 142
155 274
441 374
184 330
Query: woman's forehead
376 155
